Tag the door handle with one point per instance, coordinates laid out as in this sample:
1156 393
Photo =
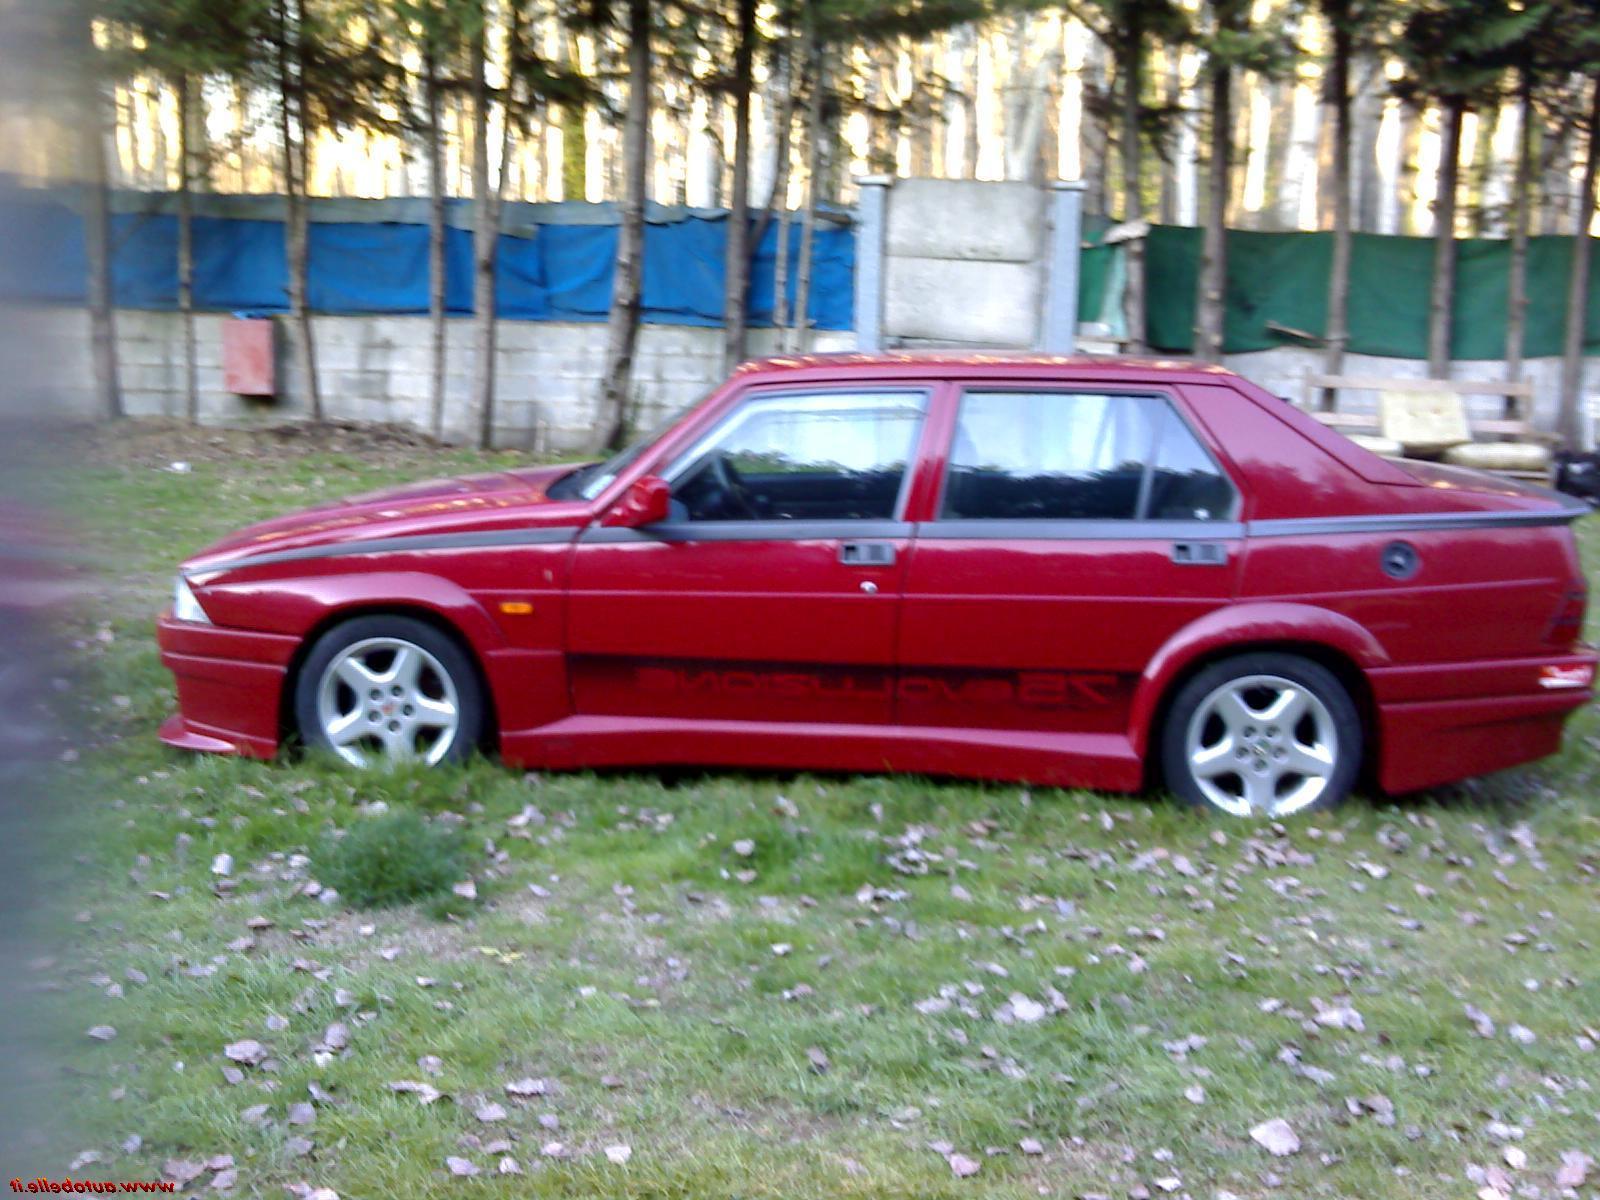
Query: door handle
1200 554
866 554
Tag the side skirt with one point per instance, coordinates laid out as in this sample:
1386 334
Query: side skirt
1105 762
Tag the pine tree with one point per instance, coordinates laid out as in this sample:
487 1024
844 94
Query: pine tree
1353 27
1128 28
1232 43
1455 54
184 43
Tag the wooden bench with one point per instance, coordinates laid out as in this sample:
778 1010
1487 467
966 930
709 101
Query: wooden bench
1510 439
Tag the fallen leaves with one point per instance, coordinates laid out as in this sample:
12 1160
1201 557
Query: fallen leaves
247 1052
424 1092
961 1166
1276 1137
1574 1169
1482 1022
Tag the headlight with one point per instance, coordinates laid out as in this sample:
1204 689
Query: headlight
184 606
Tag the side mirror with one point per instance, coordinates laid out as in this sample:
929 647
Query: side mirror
647 501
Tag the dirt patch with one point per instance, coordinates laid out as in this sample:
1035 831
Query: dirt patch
160 441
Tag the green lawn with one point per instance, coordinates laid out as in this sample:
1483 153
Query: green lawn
782 987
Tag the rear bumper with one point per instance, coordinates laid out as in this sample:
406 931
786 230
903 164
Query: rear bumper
1439 724
230 687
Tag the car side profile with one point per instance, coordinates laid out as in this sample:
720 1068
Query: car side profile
1088 572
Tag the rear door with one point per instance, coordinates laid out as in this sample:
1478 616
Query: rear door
1072 533
773 591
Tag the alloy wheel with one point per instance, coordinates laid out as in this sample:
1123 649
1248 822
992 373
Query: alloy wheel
1261 745
385 699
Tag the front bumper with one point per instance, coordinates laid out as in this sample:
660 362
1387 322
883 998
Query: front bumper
230 687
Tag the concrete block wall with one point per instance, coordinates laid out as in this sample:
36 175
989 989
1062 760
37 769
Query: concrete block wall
378 368
964 263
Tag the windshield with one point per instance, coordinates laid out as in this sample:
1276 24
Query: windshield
588 482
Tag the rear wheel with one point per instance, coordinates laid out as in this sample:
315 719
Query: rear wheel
1263 735
380 690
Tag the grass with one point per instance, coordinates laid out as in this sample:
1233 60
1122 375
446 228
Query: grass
671 988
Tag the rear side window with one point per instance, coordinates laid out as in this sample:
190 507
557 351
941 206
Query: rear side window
1078 456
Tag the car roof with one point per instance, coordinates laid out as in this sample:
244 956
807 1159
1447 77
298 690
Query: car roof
1020 363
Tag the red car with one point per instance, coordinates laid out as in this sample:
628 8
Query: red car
1072 571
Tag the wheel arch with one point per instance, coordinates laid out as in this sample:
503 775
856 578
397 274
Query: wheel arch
431 617
1328 639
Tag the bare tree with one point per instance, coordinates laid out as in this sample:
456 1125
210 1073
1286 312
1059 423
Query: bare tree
622 332
1571 418
736 281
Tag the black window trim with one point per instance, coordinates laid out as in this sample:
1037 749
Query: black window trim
821 527
1228 518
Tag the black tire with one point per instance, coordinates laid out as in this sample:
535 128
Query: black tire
1265 765
449 661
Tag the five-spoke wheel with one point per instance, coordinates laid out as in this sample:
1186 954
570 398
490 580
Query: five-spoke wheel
388 689
1262 735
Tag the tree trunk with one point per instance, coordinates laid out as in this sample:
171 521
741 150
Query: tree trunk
970 134
1571 421
1521 204
1444 242
736 281
97 250
817 70
1173 99
191 388
291 118
1094 133
1338 332
1211 303
622 330
485 216
436 238
778 197
1130 67
1369 103
779 201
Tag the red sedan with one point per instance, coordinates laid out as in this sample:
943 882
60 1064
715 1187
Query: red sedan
1071 571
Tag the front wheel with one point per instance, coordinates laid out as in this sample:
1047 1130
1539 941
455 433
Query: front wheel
1262 735
388 689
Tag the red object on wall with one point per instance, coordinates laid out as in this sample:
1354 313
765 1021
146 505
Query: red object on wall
248 362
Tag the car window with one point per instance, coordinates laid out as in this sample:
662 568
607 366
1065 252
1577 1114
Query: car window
1078 456
1185 484
818 457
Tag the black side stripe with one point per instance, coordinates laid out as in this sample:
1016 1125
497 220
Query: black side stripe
405 544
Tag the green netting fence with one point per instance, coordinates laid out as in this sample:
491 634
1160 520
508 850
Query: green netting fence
1278 282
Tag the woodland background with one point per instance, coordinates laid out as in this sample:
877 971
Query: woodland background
1444 118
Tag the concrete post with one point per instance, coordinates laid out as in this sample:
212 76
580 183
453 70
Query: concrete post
1058 327
871 244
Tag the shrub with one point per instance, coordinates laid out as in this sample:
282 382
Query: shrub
390 859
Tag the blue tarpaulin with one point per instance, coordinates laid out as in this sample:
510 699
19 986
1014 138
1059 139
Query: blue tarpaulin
554 263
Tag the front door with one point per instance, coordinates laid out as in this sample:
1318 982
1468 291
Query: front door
1074 533
772 593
